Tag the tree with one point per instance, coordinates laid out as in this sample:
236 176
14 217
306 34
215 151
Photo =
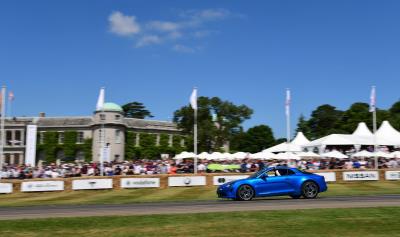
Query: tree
213 133
136 110
357 113
325 120
254 140
302 126
395 115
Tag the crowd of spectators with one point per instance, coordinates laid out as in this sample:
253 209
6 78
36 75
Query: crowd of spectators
149 167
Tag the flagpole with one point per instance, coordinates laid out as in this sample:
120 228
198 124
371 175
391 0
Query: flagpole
193 103
3 110
288 118
375 145
373 108
100 107
195 141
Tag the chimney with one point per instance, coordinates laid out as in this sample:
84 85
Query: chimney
42 114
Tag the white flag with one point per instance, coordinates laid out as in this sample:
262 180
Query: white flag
372 104
287 102
193 99
100 100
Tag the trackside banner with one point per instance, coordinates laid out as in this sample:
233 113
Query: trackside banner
360 175
140 182
329 176
187 181
218 180
392 175
81 184
42 186
6 188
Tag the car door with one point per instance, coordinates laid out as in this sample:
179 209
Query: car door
287 178
271 184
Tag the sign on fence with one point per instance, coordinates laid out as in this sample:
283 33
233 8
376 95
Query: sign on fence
81 184
329 176
140 182
187 181
392 175
360 175
218 180
6 188
42 186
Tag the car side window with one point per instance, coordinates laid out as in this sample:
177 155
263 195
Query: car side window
271 173
284 172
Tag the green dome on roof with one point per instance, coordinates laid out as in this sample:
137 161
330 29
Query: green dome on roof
112 107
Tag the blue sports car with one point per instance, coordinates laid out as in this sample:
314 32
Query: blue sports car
274 181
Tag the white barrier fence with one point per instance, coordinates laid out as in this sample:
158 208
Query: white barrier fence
42 186
180 181
187 181
392 175
6 188
140 183
87 184
329 176
361 176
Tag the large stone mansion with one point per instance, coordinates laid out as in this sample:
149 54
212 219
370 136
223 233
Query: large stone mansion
109 120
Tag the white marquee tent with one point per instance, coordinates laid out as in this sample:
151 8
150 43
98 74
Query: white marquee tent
287 156
386 135
295 146
363 153
263 156
335 154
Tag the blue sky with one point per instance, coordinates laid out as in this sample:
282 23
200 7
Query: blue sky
55 55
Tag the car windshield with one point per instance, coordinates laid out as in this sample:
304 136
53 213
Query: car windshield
256 174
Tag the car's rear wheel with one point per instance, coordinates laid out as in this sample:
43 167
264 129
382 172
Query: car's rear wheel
245 193
309 190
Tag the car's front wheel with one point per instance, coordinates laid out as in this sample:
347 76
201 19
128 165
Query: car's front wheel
245 193
309 190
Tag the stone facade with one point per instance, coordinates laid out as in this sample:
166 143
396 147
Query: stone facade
108 124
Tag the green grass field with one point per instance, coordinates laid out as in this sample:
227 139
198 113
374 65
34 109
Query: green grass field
318 222
172 194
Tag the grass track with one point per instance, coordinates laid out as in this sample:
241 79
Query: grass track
172 194
363 222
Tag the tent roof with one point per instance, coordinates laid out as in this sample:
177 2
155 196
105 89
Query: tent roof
333 139
387 132
335 154
300 139
284 146
362 130
308 154
363 153
287 156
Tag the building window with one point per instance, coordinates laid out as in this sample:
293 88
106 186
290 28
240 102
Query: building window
41 137
100 135
16 159
9 140
60 137
117 117
18 138
102 117
117 136
80 137
7 158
